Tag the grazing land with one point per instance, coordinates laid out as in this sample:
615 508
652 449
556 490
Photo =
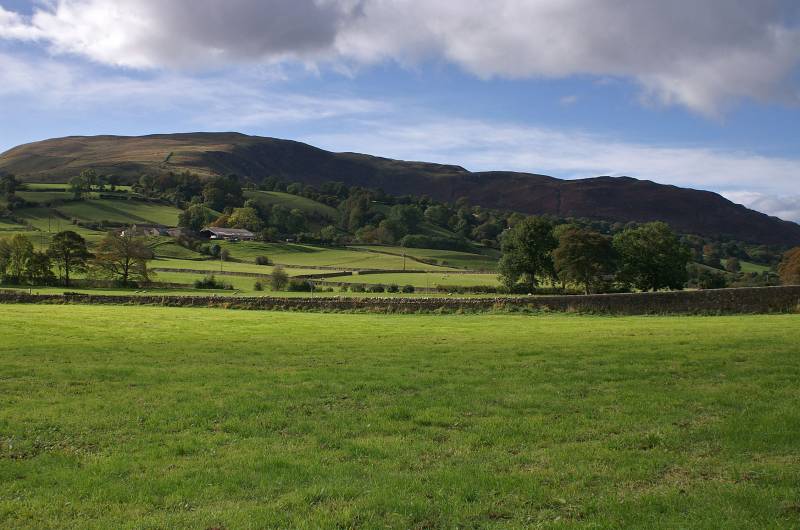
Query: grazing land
132 417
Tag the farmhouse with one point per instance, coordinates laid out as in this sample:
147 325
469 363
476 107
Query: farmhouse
228 234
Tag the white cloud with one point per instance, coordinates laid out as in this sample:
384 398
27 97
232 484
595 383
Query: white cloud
225 102
703 55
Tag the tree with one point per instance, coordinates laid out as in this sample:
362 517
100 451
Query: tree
123 257
407 217
652 257
9 186
195 217
40 269
77 186
733 265
20 252
527 253
438 215
69 251
278 279
5 258
246 218
789 268
583 257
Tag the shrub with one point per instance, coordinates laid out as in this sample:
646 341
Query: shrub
225 255
210 282
298 285
258 286
279 278
392 288
263 260
377 288
343 288
408 289
358 288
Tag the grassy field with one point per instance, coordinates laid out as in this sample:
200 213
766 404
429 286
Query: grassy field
309 255
293 201
449 258
428 279
136 417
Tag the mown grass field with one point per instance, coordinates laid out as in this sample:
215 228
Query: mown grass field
428 279
137 417
314 256
449 258
293 201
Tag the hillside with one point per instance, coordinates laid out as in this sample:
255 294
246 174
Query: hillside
616 199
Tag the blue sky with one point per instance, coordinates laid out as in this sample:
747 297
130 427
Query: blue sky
705 96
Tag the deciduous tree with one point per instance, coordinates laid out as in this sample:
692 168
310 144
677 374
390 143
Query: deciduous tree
123 258
652 257
527 253
583 257
69 252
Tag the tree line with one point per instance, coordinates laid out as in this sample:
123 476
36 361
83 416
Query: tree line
119 257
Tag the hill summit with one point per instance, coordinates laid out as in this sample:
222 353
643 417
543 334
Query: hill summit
622 199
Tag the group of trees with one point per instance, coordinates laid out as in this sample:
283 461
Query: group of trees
647 257
118 257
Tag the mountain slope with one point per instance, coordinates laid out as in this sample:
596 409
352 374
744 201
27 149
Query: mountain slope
615 199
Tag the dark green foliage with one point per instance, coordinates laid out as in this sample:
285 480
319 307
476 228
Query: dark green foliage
210 282
651 257
196 217
222 192
69 252
300 285
583 257
408 289
263 260
527 253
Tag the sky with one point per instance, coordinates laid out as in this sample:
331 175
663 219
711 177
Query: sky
696 94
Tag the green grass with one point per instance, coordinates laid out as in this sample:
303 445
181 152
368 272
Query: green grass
136 417
748 266
313 256
229 266
449 258
428 279
293 201
121 211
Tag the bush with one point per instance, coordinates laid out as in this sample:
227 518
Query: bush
344 288
263 260
358 288
408 289
298 285
279 278
392 288
377 288
258 286
225 255
210 282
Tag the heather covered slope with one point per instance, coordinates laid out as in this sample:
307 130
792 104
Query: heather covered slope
616 199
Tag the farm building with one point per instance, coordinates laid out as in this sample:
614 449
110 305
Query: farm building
228 234
144 230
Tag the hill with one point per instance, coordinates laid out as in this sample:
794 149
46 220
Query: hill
620 199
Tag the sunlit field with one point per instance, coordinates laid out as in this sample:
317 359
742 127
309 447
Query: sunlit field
141 417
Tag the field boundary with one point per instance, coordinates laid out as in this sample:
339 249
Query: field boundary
751 300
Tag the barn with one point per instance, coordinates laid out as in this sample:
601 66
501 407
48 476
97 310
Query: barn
227 234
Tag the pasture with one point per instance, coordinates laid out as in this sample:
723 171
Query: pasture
141 417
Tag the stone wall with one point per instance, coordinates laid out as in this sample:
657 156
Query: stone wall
721 301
